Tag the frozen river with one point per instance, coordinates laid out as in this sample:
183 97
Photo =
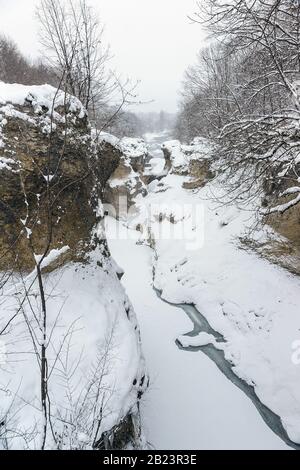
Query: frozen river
190 404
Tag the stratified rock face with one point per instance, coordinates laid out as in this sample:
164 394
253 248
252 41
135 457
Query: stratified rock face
128 180
52 174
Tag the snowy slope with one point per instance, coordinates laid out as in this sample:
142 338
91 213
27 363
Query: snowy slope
190 404
252 303
94 356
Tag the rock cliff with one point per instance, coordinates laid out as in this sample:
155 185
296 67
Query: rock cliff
192 160
53 172
128 181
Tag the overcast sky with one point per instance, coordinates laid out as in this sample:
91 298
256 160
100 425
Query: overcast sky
151 40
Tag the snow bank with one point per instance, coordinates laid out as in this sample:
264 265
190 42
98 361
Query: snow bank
253 304
93 338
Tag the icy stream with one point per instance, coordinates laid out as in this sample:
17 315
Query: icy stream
190 404
217 356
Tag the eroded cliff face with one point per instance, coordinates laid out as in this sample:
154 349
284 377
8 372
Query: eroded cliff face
192 160
284 248
46 177
128 181
53 171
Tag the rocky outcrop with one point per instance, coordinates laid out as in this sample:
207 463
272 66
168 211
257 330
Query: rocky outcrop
175 159
45 174
136 151
108 158
52 173
128 181
192 160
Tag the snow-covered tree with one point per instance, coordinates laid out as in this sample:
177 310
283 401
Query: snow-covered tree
244 91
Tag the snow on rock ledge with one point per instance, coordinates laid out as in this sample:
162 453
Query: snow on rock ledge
127 182
192 160
40 97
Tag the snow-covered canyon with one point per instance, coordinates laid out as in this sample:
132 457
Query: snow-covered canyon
190 402
219 324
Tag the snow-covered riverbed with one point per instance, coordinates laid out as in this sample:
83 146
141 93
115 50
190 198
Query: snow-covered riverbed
190 403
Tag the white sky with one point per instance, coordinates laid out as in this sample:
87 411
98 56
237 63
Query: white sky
151 40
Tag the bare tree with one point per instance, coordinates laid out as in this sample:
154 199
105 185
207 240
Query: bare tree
72 37
248 92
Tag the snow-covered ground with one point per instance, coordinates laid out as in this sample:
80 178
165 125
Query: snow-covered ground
190 404
252 303
93 350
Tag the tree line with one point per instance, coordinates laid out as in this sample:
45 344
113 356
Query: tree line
243 92
15 68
